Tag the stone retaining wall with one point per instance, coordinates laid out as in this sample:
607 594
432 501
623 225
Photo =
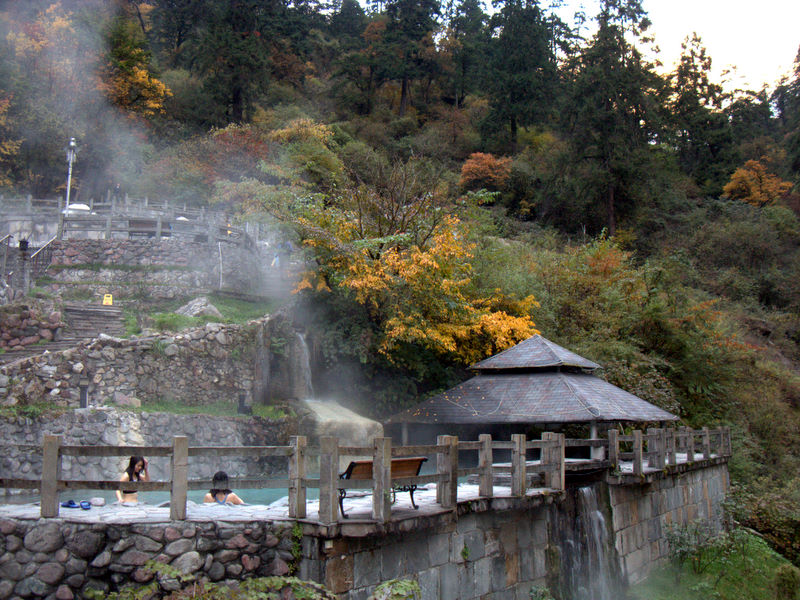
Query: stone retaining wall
204 365
122 428
61 560
642 514
24 324
189 266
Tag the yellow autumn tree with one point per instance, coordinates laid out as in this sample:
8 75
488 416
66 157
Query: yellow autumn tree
754 184
418 294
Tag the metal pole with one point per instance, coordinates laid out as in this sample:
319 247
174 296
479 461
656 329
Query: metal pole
70 158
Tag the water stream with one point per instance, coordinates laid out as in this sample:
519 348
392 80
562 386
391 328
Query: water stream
588 566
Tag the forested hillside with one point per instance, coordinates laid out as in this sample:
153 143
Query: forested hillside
459 177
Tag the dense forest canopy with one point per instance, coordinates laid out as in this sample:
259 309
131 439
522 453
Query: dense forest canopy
457 177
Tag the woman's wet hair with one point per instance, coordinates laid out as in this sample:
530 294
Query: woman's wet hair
131 470
219 483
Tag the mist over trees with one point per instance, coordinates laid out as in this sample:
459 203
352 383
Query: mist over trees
455 177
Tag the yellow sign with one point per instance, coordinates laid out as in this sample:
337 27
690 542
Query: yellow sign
108 300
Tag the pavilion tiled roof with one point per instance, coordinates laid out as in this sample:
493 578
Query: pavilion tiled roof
534 353
530 384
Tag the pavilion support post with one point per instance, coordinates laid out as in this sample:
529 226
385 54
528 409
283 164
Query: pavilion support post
382 479
297 473
518 474
637 452
328 477
51 473
613 448
180 478
706 440
485 459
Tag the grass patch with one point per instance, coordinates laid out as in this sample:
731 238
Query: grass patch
241 311
166 405
749 574
30 411
269 411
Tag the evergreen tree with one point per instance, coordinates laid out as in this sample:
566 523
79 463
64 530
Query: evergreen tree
703 135
233 53
612 114
523 73
409 43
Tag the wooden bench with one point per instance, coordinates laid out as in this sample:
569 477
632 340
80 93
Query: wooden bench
401 468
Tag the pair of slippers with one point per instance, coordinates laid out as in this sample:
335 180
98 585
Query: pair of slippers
84 504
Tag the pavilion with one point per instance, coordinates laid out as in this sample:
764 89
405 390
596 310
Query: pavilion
536 382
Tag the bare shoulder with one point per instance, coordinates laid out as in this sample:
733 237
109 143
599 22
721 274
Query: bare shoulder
234 499
208 498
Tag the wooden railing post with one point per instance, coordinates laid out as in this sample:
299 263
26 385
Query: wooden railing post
180 477
441 467
706 444
51 473
654 450
108 227
637 452
555 457
669 444
328 479
518 465
382 479
447 469
613 448
690 444
297 472
728 445
485 459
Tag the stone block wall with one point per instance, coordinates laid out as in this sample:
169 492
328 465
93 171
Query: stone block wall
123 428
642 513
494 555
62 560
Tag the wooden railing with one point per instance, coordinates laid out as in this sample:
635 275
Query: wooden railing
654 449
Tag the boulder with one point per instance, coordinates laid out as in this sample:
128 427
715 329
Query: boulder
199 307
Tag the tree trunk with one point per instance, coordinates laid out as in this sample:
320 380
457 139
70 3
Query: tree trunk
404 94
237 104
612 217
513 125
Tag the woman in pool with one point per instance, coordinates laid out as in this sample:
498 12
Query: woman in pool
219 491
136 471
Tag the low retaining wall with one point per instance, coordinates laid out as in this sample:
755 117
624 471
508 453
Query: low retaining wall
121 428
62 560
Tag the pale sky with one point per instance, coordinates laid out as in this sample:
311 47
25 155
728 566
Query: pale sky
760 38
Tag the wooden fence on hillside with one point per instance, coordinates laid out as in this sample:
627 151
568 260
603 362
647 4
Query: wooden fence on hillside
651 451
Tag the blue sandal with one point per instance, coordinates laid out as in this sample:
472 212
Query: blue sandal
69 504
86 505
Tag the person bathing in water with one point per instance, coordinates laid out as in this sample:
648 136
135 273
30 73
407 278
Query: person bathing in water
136 471
219 492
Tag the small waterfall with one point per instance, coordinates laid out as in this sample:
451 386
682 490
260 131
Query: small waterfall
302 384
588 569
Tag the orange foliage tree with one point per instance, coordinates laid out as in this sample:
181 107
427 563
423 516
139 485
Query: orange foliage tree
417 294
485 171
754 184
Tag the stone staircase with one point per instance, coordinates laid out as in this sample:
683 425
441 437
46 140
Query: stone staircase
86 321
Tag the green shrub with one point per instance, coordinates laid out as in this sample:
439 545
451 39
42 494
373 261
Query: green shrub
397 589
787 582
